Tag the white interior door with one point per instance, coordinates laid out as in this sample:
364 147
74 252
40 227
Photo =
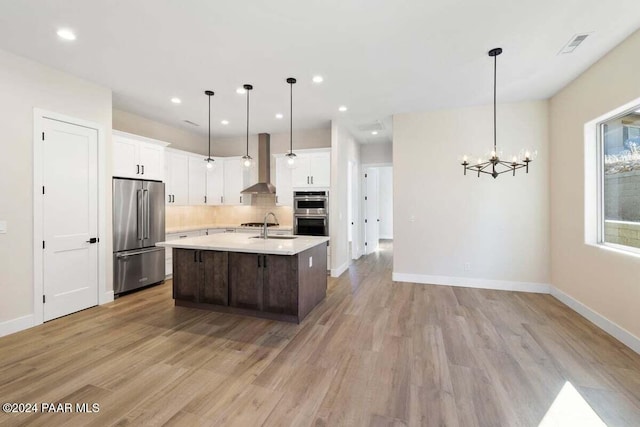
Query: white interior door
70 218
372 232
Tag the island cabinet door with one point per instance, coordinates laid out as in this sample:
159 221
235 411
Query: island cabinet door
280 286
187 274
245 280
215 284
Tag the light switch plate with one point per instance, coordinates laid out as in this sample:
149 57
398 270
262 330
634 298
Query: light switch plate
3 227
310 261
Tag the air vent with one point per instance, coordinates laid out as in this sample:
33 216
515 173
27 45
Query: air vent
573 43
191 123
368 127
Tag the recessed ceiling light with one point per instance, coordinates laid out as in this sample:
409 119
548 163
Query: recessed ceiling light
241 91
176 100
342 108
225 122
279 116
317 79
66 34
374 132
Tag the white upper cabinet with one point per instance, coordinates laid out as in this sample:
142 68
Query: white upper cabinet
313 169
197 180
177 177
138 157
215 182
283 182
236 179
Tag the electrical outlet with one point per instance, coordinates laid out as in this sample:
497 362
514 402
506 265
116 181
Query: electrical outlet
467 266
310 261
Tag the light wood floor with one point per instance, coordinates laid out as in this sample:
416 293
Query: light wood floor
373 353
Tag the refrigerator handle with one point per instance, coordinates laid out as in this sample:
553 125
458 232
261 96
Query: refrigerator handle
139 216
146 219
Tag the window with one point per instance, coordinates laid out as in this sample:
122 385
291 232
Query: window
620 179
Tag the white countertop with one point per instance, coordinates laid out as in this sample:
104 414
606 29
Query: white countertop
245 242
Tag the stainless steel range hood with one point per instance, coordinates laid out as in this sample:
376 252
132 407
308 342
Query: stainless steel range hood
264 185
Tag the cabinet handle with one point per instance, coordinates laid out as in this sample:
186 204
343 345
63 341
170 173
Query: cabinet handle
138 170
169 196
142 169
221 199
200 256
240 199
264 261
173 198
205 200
308 180
195 256
311 177
259 256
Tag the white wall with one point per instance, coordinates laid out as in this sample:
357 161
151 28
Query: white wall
344 148
371 154
223 147
603 280
25 85
444 220
385 201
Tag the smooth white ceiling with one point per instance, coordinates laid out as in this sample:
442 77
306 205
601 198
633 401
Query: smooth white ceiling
377 57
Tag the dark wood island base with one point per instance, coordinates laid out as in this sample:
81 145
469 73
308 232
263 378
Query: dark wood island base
278 287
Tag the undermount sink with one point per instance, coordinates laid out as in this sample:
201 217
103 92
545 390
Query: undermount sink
276 237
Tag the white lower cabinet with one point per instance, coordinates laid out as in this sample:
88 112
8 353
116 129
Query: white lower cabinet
168 253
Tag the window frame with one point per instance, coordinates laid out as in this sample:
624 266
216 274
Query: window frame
600 131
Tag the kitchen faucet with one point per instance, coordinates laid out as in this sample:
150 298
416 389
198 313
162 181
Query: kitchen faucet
264 227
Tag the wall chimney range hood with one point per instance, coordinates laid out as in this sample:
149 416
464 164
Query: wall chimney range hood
264 185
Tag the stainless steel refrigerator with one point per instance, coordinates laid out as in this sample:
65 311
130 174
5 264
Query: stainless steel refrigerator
138 224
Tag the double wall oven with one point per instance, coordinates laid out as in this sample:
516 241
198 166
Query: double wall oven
311 213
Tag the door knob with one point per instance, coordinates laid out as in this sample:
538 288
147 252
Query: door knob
93 240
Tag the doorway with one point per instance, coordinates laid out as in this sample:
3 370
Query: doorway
377 206
66 219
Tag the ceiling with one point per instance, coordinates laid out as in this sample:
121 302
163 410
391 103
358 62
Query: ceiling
377 57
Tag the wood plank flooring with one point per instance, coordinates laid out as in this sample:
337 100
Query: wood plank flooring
374 353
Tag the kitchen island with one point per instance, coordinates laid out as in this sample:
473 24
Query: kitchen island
281 277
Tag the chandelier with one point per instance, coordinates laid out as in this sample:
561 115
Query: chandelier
494 165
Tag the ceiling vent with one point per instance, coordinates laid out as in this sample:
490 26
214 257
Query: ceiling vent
369 127
573 43
191 123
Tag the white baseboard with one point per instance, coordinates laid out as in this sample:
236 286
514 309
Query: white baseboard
337 272
616 331
105 297
470 282
16 325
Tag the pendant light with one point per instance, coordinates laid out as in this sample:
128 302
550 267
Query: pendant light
291 157
247 159
493 165
209 160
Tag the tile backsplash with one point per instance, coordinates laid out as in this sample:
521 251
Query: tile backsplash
194 216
